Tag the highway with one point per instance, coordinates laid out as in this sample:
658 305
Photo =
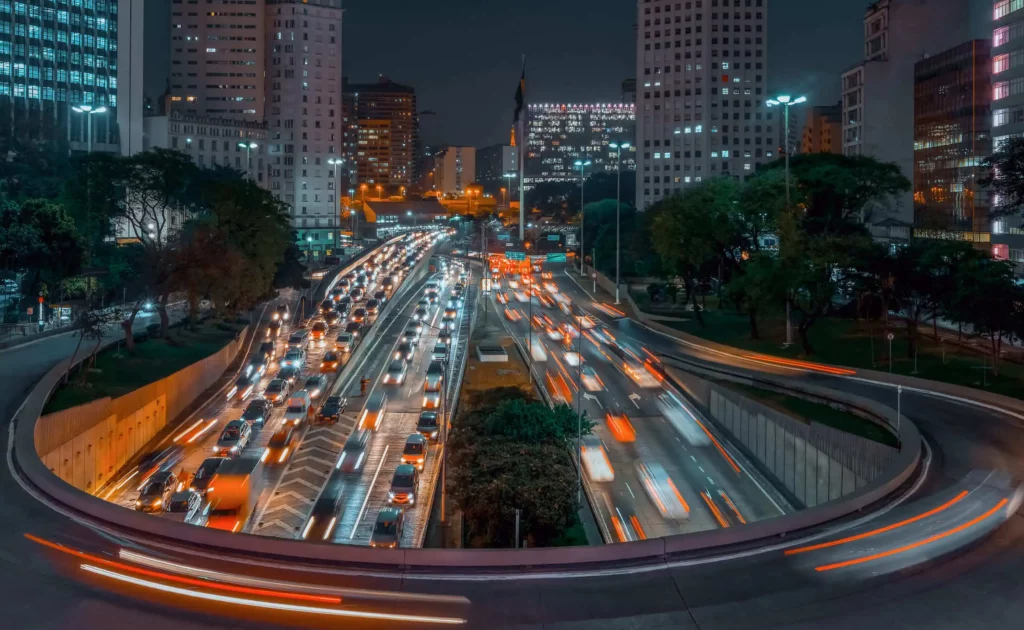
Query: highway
979 587
717 484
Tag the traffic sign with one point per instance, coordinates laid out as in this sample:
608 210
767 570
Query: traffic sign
553 237
510 255
555 258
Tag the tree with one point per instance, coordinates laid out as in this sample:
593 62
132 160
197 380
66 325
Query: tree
996 306
38 237
92 325
761 286
1005 177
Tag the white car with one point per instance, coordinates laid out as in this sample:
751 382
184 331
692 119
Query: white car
595 460
591 381
662 491
573 358
396 372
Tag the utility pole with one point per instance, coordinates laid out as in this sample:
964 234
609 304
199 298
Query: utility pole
518 511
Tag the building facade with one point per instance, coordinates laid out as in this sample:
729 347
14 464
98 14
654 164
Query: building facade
218 56
211 141
455 170
878 93
303 114
1008 112
388 159
952 136
823 129
629 92
560 134
494 164
55 55
702 71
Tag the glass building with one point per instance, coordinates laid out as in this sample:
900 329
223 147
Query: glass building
558 135
55 54
952 105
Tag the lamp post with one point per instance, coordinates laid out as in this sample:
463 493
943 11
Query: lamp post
504 196
362 192
335 163
380 192
618 194
582 165
89 111
785 101
409 213
248 146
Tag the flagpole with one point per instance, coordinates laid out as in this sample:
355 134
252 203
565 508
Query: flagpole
522 162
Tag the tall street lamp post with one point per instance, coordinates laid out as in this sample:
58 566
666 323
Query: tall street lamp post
335 163
582 165
785 101
89 112
248 146
618 195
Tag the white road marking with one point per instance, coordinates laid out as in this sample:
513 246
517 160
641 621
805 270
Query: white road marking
711 481
373 482
630 490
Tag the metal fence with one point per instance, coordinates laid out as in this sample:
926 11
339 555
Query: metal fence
815 463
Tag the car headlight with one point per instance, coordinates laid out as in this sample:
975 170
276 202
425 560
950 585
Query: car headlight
158 503
391 495
234 449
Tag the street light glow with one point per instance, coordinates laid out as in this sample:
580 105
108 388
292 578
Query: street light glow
800 100
783 98
250 145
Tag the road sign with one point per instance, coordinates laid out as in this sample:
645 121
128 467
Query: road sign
30 310
512 255
554 237
504 237
555 258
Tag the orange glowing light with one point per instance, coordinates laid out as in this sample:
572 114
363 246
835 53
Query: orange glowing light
892 552
620 427
732 506
714 510
636 527
880 530
805 365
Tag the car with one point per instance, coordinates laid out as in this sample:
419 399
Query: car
290 374
353 328
445 337
330 412
573 358
280 446
353 454
431 400
440 352
451 312
381 296
411 335
591 381
330 361
662 490
405 351
427 425
416 451
295 357
419 314
326 511
281 312
332 319
319 331
267 351
356 293
186 506
298 409
554 334
418 325
277 390
397 371
453 303
337 292
315 385
423 303
344 342
373 412
595 460
159 460
387 528
241 389
327 306
432 297
256 367
344 303
274 328
403 485
372 306
435 377
200 481
619 426
501 297
233 439
447 323
157 490
257 412
358 315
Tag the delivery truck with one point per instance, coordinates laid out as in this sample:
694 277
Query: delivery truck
232 493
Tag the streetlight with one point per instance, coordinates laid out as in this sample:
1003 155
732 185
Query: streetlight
408 213
618 193
335 163
89 110
504 195
248 146
787 101
362 192
582 165
379 192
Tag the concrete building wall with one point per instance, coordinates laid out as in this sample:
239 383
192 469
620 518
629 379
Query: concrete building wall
456 170
822 132
130 62
87 444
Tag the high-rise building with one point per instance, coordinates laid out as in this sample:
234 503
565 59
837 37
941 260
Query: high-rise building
455 170
1008 112
303 112
130 77
55 56
494 165
878 93
218 56
629 92
702 69
378 107
952 117
823 128
559 134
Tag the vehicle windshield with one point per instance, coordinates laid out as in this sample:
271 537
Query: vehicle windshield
402 481
206 470
428 421
181 505
295 408
280 439
230 434
396 366
154 489
414 448
386 527
275 386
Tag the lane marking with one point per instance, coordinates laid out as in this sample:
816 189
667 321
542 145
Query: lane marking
710 480
630 490
366 499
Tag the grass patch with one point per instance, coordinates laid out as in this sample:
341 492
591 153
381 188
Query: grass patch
857 344
117 373
809 411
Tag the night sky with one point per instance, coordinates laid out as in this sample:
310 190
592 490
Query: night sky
463 56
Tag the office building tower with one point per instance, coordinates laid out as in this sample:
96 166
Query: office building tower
878 93
702 70
1007 113
455 170
497 168
303 114
952 117
629 92
218 56
823 128
559 135
55 56
382 135
130 77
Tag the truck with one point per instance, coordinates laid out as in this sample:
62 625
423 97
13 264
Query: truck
232 493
